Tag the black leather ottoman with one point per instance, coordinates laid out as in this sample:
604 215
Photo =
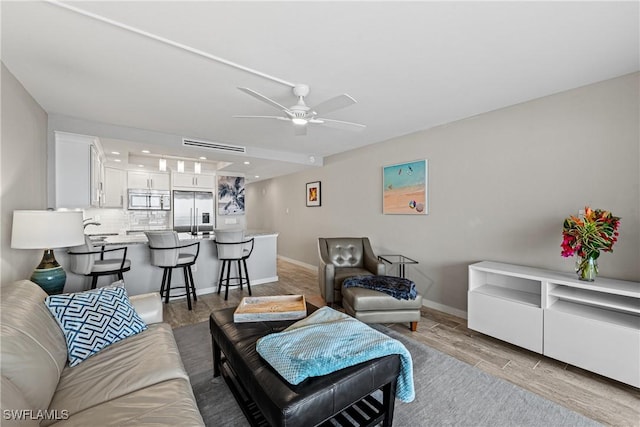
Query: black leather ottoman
267 399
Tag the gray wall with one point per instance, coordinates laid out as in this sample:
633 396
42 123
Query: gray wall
23 170
500 186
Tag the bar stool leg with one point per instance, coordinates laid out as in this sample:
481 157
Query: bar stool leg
168 290
186 286
240 274
224 263
193 285
246 272
164 281
226 289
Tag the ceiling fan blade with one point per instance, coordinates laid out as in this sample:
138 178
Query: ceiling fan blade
299 130
338 124
333 104
264 99
261 117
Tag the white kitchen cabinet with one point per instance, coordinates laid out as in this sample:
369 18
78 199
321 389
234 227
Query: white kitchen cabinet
194 180
148 180
78 171
115 187
592 325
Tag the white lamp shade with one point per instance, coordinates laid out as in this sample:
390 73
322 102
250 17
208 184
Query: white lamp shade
46 229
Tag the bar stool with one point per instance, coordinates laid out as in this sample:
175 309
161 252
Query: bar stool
168 253
84 262
232 246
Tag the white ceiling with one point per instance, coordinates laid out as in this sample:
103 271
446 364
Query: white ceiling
410 65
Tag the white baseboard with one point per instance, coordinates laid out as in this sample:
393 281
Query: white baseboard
299 263
212 289
444 308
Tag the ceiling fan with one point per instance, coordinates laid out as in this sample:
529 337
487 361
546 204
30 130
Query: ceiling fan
302 115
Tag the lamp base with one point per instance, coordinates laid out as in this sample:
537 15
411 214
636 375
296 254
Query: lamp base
49 275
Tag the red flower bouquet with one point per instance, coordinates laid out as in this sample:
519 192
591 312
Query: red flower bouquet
587 236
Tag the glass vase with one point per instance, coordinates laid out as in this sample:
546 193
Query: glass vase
587 268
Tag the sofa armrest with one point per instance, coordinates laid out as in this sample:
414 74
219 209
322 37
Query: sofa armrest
148 306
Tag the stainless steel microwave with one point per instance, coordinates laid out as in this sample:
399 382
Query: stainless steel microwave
149 200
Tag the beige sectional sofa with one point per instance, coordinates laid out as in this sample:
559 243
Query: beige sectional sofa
137 381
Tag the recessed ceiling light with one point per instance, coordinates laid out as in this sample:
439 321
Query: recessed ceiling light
146 151
140 166
247 163
117 160
257 176
117 153
203 158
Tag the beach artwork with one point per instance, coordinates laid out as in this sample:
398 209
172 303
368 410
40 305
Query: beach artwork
405 188
230 195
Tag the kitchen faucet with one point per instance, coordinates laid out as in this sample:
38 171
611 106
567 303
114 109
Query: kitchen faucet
89 221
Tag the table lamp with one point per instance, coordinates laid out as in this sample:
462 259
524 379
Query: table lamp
47 230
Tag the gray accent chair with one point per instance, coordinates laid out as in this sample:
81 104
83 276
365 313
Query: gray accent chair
83 261
342 257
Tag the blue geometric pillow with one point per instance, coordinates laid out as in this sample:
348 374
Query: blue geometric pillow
94 319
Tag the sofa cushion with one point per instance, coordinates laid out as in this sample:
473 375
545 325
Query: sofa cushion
94 319
170 403
34 352
120 369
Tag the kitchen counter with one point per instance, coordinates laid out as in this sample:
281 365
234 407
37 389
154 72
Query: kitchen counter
144 277
132 239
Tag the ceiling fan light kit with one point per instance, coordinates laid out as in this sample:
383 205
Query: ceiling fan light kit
301 114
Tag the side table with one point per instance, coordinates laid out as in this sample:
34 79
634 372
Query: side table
400 260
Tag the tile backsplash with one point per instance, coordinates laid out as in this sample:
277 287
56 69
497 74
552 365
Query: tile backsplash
120 221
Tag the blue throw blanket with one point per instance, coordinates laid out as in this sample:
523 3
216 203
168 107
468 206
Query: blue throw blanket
397 287
327 341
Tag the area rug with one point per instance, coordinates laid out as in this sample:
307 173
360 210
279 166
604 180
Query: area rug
448 392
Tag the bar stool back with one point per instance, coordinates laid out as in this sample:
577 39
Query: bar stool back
83 261
232 246
167 253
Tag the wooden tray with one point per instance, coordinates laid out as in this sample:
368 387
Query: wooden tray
279 307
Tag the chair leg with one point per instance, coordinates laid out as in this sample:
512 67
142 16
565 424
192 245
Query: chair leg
168 286
186 286
94 282
193 285
246 272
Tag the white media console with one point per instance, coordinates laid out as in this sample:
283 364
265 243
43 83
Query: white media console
592 325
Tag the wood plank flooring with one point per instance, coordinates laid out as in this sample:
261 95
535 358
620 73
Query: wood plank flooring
606 401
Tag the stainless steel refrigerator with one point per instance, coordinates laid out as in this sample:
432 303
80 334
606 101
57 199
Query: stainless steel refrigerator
193 211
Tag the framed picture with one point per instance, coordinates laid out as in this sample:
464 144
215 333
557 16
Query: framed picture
230 195
404 188
313 193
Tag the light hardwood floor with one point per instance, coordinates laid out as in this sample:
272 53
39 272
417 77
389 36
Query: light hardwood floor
599 398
